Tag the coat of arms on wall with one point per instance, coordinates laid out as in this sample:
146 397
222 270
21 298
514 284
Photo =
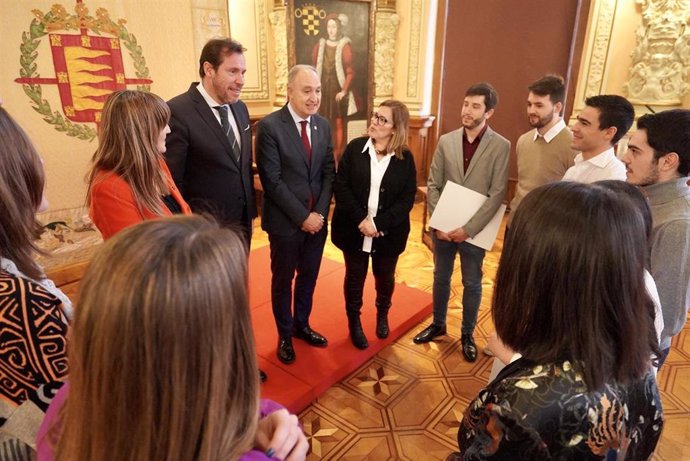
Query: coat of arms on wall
88 63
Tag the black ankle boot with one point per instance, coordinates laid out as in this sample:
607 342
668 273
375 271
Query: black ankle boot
356 333
382 324
382 329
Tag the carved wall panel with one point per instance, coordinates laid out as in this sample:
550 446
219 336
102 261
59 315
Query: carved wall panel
659 73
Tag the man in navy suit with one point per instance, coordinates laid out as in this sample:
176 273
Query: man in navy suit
294 154
209 148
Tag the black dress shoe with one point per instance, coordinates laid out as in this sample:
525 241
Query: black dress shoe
312 337
469 348
429 333
286 353
262 376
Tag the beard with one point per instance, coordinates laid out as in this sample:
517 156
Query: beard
652 177
541 121
473 123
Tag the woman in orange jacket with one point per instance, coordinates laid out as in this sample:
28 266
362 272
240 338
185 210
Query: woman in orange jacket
129 181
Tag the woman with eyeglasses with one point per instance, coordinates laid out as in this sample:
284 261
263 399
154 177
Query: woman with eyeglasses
374 193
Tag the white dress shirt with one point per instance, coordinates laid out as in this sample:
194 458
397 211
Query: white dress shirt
378 169
213 104
598 168
297 119
552 133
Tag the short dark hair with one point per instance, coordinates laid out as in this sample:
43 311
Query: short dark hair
669 131
550 85
216 50
484 89
614 110
575 266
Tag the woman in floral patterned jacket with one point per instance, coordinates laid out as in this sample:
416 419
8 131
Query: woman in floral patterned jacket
570 298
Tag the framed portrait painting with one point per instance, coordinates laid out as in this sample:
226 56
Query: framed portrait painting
337 38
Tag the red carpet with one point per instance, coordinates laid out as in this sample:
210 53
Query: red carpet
316 369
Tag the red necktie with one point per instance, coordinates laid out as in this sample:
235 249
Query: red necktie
307 148
305 141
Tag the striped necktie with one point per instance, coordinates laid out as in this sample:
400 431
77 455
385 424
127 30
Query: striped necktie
229 132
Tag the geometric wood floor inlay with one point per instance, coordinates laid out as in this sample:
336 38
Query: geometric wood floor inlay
407 401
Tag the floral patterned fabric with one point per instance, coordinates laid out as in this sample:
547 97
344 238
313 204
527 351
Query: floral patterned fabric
546 412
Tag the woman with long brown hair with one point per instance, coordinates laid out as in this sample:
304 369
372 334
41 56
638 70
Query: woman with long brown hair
33 312
570 297
374 193
129 181
162 356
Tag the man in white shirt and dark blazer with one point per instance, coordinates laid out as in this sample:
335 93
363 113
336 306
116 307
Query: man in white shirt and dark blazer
294 155
211 159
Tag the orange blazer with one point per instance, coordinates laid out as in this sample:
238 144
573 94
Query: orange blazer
113 206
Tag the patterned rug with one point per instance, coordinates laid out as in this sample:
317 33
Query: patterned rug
317 369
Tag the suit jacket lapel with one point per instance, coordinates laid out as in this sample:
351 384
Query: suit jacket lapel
481 148
241 129
457 154
318 145
207 115
294 135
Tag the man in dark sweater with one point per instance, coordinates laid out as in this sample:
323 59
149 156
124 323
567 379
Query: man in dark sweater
658 159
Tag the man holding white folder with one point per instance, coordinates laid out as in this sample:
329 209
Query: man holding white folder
475 157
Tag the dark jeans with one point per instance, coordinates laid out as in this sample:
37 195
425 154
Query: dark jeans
356 267
471 260
299 253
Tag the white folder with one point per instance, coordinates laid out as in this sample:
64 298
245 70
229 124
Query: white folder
456 206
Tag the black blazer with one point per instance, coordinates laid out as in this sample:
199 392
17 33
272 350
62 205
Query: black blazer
201 161
396 198
288 181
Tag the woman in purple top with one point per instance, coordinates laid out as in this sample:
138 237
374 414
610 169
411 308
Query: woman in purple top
162 358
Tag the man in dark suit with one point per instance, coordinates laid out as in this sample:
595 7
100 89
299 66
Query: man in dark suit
209 148
294 154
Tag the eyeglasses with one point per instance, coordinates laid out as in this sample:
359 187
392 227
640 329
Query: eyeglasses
378 119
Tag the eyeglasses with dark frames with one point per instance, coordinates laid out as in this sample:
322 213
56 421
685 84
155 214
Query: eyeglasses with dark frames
378 119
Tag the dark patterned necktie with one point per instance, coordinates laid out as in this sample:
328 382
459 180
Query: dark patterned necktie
229 132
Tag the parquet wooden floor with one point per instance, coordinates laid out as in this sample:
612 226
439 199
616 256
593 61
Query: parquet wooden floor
406 402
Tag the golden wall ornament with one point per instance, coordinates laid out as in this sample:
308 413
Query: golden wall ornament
660 71
387 23
279 26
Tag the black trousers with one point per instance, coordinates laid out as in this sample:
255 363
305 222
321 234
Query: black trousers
299 254
356 267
